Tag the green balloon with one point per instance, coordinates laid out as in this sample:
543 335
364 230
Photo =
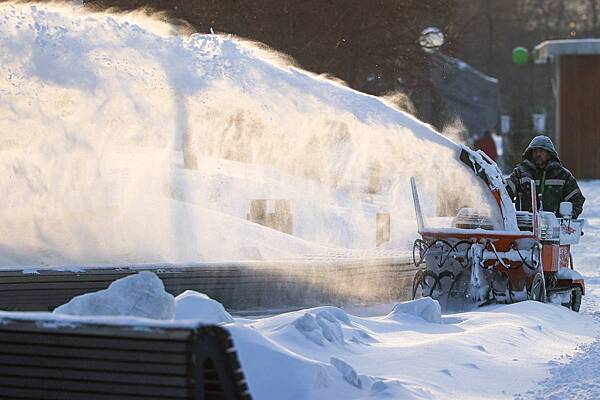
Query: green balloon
520 55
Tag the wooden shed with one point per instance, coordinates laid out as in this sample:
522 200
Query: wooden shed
576 84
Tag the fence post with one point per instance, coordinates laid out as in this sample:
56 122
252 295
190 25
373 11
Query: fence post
383 229
274 214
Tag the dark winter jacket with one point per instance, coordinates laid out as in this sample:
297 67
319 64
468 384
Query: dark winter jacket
554 184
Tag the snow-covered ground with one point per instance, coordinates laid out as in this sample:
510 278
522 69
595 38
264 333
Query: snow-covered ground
577 377
523 351
99 114
409 351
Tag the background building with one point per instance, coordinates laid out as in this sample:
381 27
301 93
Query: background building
576 83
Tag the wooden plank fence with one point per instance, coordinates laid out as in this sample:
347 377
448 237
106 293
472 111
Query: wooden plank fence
238 286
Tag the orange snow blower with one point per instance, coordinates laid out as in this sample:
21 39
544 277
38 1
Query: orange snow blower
478 261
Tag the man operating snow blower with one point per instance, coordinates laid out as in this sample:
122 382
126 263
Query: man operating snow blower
522 254
554 182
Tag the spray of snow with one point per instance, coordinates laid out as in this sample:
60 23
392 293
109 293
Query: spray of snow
101 113
506 210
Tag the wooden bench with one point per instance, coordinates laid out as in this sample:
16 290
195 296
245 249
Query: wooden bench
51 358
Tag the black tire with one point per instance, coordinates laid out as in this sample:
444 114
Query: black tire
537 292
575 303
419 250
417 282
459 293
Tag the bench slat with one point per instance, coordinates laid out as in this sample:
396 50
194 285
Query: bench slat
47 394
84 341
170 333
116 376
98 354
87 386
92 364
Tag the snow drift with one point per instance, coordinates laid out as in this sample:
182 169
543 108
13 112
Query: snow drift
326 353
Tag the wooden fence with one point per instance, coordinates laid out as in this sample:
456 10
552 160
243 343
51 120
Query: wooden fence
238 286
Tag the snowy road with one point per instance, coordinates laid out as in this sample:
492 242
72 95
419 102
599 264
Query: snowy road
578 377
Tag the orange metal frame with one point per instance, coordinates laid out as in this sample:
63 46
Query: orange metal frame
553 256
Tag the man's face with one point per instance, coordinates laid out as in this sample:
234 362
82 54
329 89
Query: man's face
540 157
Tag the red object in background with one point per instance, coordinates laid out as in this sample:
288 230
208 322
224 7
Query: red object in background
487 145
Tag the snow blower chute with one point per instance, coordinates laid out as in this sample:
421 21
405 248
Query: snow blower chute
472 262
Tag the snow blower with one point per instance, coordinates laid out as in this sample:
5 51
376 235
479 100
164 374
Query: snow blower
473 262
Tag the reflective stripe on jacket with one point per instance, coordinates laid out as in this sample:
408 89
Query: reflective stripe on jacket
554 184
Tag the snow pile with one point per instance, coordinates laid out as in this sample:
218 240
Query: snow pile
139 295
193 305
426 308
143 295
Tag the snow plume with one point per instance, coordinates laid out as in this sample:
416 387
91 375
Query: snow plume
99 114
456 131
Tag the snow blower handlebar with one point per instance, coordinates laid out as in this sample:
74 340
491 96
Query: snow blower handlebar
417 203
534 210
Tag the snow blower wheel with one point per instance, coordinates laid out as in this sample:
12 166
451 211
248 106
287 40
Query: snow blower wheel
417 285
575 302
537 292
424 284
419 251
460 292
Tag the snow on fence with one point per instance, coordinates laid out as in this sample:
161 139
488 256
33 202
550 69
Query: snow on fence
238 286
